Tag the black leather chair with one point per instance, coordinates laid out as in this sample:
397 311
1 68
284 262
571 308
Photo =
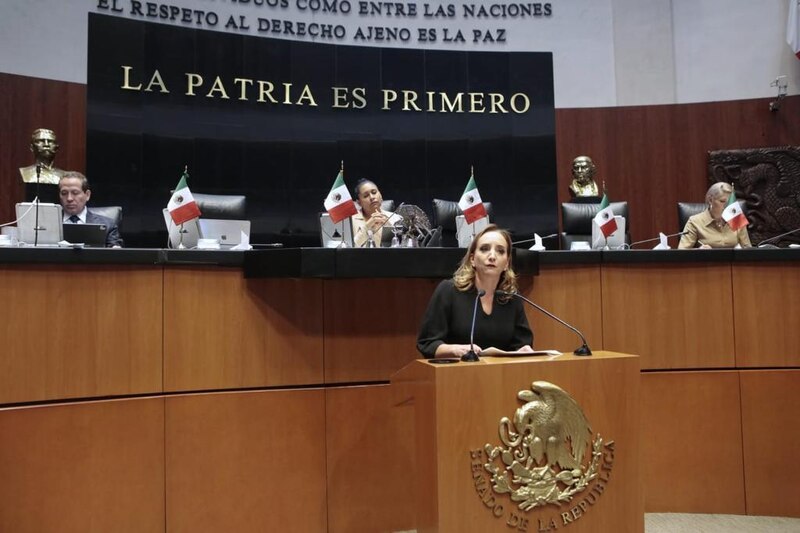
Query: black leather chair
114 212
576 221
224 206
687 210
444 215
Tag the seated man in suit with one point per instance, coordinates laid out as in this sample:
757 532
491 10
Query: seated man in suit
73 193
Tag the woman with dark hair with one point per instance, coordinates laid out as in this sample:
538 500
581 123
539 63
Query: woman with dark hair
371 221
500 321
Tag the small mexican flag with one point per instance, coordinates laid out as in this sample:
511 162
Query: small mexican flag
182 207
471 203
733 214
339 203
605 217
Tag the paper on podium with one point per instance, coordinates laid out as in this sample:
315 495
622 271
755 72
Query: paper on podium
497 352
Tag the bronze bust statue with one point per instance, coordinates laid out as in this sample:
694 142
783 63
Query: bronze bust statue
44 147
583 171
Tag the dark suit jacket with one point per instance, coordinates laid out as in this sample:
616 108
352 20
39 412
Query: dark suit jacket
113 237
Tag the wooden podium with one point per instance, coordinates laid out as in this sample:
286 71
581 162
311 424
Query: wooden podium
458 411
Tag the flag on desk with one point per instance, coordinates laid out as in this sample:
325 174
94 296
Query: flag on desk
734 215
471 203
605 217
182 207
339 204
793 27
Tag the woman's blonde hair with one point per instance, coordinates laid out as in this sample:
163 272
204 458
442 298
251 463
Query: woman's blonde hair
464 277
718 189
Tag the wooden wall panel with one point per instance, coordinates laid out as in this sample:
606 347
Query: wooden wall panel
656 156
246 462
30 103
371 326
673 316
571 292
771 435
83 468
79 331
223 331
692 443
370 460
766 314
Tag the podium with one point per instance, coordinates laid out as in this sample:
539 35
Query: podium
526 443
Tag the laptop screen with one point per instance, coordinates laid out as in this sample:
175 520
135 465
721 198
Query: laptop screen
91 235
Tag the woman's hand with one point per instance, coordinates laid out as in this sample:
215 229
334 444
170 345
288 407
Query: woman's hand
376 221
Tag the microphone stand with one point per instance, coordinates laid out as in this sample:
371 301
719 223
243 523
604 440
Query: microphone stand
654 239
471 356
582 350
36 227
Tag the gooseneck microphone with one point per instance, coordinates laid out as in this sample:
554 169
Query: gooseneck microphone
767 243
582 350
471 356
36 227
654 239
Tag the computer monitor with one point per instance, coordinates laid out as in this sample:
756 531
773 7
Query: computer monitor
333 235
185 234
615 241
49 224
227 232
465 232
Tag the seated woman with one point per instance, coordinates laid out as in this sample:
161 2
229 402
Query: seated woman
371 220
708 229
500 321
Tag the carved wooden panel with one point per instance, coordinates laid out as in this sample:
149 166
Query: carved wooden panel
768 180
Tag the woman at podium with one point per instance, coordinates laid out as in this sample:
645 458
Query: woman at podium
500 319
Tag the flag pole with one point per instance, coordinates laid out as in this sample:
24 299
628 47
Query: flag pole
180 238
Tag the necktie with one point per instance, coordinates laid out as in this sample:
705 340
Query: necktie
74 219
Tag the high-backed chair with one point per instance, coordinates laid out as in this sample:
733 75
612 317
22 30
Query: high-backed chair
576 221
224 206
444 215
114 212
687 210
388 205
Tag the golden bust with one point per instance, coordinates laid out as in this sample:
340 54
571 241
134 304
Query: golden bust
583 171
44 147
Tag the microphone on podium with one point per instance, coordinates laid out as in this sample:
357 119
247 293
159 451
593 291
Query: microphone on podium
471 356
582 350
654 239
767 243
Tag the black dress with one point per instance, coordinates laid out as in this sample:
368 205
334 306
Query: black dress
449 317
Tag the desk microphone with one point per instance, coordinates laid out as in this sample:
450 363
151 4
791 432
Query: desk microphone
767 243
533 239
583 350
471 356
679 234
36 228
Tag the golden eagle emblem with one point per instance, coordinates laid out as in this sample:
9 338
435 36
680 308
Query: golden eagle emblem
543 449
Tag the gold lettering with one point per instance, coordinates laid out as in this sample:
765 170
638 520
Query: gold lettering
525 100
217 87
410 100
126 80
340 98
388 97
192 81
359 98
287 93
476 103
156 80
243 83
265 89
453 106
566 518
576 512
496 102
306 95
